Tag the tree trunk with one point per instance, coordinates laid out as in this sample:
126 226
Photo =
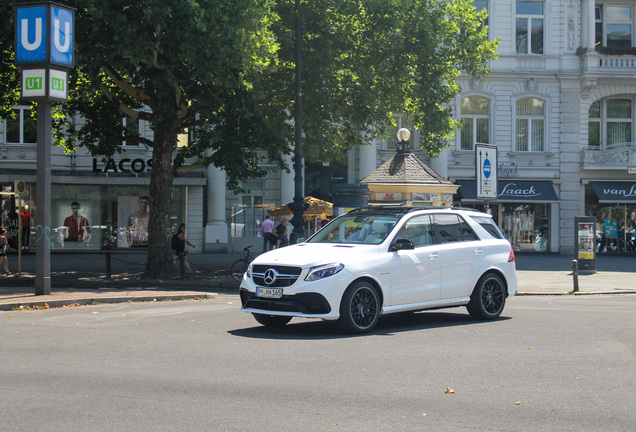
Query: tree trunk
159 261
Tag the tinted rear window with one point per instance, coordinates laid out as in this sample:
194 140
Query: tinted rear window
489 225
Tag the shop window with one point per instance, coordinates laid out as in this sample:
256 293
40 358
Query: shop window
615 223
529 27
614 25
475 116
87 217
526 226
246 219
610 123
21 129
530 135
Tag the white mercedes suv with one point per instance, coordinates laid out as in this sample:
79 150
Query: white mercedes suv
376 261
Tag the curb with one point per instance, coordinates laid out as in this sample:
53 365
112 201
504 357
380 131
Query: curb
572 293
97 300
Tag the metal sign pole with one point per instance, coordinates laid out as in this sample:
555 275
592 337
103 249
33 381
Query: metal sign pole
44 52
43 198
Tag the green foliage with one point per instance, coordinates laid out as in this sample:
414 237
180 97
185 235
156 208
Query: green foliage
184 67
9 80
224 73
364 61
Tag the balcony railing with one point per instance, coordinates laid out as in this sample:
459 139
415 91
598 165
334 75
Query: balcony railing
616 156
594 62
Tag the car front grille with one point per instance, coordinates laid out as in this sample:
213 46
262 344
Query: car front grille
275 276
305 303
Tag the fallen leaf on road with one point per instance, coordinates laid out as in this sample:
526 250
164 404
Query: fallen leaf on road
449 390
518 403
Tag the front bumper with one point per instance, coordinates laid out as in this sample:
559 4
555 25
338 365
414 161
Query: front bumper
302 304
301 298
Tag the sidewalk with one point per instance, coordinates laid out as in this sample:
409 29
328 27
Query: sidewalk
80 279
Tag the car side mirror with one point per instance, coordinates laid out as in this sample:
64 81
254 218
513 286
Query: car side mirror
401 244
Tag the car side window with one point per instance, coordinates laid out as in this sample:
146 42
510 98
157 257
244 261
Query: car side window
419 230
467 232
448 228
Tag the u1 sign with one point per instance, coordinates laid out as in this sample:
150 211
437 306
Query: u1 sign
44 35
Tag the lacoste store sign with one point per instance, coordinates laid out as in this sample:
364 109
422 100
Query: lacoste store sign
124 165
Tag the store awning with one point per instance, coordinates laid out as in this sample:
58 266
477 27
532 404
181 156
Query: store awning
615 192
316 207
513 191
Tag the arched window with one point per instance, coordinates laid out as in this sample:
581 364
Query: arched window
475 115
530 125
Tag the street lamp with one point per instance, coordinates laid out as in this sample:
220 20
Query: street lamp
403 136
298 206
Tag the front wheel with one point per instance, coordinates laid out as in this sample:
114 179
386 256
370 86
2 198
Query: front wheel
360 308
271 320
488 298
238 268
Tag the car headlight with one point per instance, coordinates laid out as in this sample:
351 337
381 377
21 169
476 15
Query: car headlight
248 273
323 271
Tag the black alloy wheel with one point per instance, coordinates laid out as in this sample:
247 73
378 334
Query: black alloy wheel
488 298
360 308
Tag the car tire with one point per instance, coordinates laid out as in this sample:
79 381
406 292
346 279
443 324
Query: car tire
271 320
488 298
360 308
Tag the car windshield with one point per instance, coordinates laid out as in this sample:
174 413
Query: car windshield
356 228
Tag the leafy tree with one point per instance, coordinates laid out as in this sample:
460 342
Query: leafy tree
9 81
364 61
224 72
182 66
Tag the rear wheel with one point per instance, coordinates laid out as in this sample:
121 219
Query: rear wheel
271 320
238 268
360 308
488 298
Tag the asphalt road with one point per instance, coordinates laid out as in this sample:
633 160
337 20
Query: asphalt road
550 364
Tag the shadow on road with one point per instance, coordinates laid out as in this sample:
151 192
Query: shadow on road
388 325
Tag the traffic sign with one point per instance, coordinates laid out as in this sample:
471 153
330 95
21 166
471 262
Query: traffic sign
486 171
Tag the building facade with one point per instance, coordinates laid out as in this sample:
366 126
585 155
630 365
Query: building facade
96 204
559 105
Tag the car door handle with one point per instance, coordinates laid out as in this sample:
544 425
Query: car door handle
478 251
433 256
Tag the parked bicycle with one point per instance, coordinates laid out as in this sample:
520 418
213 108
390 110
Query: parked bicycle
239 267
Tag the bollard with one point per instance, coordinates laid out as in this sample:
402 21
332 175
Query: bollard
575 275
108 273
182 262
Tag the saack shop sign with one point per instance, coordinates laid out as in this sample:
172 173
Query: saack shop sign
126 166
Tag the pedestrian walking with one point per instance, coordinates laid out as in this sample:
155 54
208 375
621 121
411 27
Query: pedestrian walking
180 240
266 228
4 246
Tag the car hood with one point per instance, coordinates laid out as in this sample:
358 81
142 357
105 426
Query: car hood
312 254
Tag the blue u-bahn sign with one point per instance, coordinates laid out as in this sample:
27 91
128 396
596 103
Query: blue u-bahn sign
44 35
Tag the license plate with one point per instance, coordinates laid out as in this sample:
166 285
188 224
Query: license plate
269 292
